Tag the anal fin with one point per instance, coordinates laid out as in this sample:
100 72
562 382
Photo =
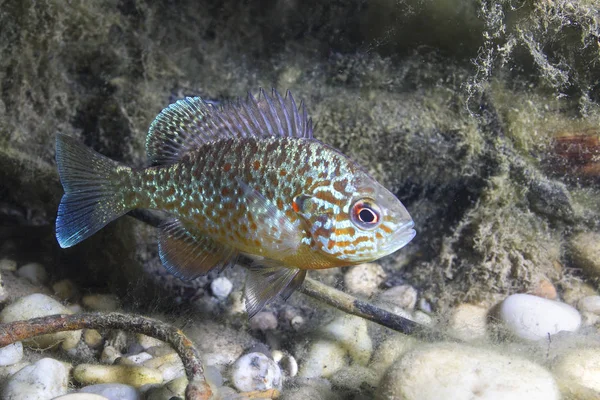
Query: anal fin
187 253
264 283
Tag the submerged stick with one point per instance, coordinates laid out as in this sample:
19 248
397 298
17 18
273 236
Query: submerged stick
352 305
197 388
335 298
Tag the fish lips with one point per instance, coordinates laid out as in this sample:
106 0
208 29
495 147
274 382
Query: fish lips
400 238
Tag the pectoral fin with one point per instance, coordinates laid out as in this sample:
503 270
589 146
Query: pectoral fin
187 253
264 283
275 231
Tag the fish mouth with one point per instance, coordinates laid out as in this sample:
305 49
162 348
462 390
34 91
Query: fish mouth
400 238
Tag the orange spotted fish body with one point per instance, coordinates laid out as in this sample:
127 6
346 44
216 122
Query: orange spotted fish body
246 178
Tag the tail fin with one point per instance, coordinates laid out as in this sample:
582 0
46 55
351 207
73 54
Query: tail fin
93 196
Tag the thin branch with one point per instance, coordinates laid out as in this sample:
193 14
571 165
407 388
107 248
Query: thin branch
335 298
197 388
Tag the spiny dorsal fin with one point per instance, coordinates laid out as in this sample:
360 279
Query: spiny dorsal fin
189 123
187 253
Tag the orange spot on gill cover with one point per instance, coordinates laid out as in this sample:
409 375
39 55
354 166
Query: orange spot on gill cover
227 167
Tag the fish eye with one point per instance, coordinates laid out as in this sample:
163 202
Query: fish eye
365 214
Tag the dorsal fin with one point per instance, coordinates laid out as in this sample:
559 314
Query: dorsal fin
189 123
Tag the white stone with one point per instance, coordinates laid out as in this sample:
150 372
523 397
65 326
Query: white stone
364 279
45 379
101 302
403 296
459 372
534 318
324 358
139 358
468 322
263 321
40 305
169 365
297 322
590 304
352 334
580 366
34 273
81 396
9 370
255 371
221 287
148 341
289 365
113 391
11 354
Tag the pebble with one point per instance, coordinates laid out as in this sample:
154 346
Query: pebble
109 355
352 334
364 279
65 290
9 370
238 303
289 365
255 371
468 322
11 354
169 365
6 264
585 251
580 366
101 302
263 321
545 289
148 341
92 338
403 296
534 318
139 358
34 273
40 305
424 305
297 322
576 291
315 390
113 391
221 287
136 376
324 358
459 372
45 379
81 396
590 304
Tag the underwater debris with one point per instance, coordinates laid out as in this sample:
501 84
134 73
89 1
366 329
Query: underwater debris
577 154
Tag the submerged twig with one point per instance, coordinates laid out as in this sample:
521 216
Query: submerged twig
335 298
354 306
197 388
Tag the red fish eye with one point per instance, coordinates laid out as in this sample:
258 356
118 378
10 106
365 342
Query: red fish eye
365 214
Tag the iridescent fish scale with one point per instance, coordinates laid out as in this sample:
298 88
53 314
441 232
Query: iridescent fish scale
244 178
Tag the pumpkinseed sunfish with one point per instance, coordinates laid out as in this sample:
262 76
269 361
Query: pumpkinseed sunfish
247 177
